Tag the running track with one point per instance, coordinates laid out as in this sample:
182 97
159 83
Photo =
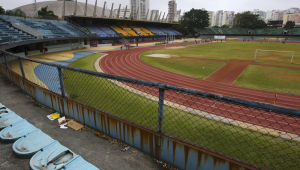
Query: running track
127 63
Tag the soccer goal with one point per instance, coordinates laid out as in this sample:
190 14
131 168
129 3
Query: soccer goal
274 56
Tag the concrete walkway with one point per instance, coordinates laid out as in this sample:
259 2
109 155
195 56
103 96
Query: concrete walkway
98 151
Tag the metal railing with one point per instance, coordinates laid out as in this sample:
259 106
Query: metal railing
261 135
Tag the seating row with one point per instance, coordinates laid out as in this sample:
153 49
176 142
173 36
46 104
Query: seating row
30 142
49 28
244 31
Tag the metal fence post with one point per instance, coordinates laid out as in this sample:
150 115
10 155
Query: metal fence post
5 60
161 109
21 67
61 82
62 88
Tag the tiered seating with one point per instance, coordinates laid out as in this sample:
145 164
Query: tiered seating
11 34
168 31
294 31
178 33
109 31
119 30
129 30
269 31
235 31
139 31
146 31
98 31
156 31
49 28
206 31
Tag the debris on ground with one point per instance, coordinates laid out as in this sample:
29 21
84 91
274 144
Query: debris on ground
74 125
165 165
126 149
54 116
135 151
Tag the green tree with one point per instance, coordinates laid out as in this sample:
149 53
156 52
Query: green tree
44 13
248 20
19 12
16 12
290 25
215 26
225 26
2 11
194 18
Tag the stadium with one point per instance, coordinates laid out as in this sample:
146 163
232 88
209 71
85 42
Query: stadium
227 98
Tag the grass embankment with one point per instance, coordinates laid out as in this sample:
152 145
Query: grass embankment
241 51
195 68
264 150
284 80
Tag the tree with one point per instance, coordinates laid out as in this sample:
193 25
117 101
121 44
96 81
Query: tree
44 13
225 26
248 20
215 26
289 25
17 12
2 11
194 18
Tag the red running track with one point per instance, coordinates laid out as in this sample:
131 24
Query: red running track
127 63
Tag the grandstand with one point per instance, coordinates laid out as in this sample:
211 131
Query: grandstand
294 31
98 31
49 28
120 31
245 31
9 33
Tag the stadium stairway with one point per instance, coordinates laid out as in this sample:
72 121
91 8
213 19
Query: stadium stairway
49 28
9 33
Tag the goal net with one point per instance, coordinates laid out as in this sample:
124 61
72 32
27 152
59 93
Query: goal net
274 56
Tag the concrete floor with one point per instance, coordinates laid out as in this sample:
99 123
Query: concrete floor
98 151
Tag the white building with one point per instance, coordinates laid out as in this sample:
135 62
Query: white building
142 5
172 11
154 14
122 12
211 17
228 17
293 11
224 18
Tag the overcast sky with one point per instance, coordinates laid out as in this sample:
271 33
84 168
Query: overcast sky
186 5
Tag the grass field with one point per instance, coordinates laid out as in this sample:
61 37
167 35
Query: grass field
284 80
264 150
236 50
257 77
195 68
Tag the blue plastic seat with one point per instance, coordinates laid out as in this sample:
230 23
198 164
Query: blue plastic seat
78 164
16 131
9 119
53 156
31 143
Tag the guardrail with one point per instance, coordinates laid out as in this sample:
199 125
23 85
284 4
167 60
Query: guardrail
187 128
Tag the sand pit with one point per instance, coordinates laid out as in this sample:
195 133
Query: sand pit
175 47
159 55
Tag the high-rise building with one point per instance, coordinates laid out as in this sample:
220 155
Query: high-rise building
142 5
155 15
172 10
293 10
122 12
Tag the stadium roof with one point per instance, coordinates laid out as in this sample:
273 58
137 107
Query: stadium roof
56 7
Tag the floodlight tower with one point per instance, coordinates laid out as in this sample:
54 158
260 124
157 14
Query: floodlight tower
35 8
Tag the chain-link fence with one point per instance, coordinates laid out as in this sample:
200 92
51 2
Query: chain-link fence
260 134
